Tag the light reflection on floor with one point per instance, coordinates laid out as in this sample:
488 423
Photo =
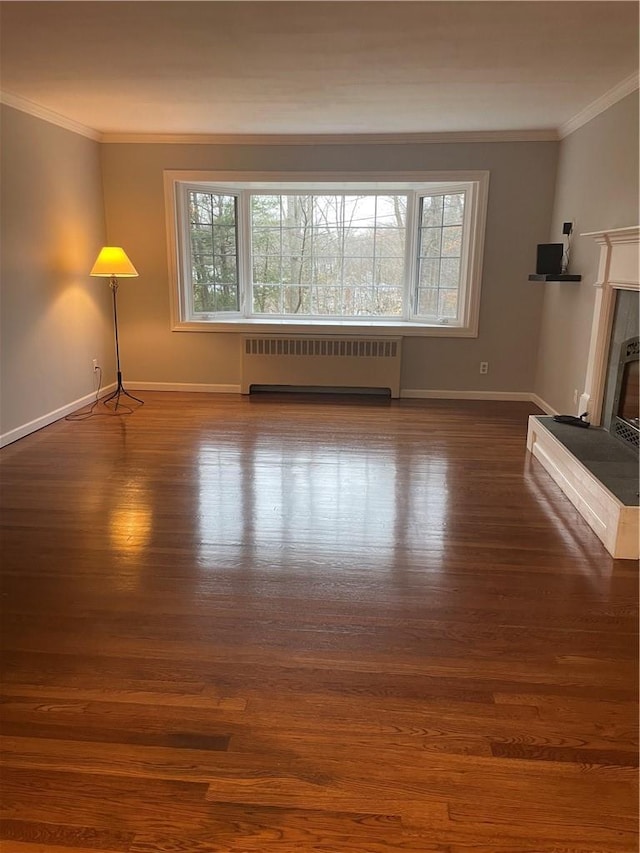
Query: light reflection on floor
325 496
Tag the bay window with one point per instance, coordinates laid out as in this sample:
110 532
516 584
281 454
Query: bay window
404 253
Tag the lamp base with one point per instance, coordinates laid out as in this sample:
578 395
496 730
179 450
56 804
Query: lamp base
119 392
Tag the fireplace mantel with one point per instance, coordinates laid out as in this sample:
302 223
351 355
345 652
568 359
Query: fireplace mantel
617 270
615 522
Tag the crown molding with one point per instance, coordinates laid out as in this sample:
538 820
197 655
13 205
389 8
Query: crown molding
617 93
333 138
621 90
26 106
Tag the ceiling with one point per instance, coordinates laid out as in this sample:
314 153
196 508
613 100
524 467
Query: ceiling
316 67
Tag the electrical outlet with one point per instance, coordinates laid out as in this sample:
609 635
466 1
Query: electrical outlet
484 367
96 366
575 396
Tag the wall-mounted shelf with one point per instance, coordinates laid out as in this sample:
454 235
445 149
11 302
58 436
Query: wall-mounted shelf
554 277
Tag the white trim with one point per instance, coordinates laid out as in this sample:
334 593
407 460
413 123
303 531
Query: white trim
405 393
248 177
542 404
543 135
617 270
423 394
35 110
617 93
190 387
353 329
629 234
51 417
174 180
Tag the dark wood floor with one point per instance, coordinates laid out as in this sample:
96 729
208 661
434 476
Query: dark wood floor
309 625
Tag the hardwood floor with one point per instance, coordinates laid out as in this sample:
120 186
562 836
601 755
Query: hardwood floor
309 624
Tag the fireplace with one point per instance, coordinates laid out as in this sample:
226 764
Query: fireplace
610 400
625 420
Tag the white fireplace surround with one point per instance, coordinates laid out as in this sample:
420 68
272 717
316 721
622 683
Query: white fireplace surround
617 525
617 270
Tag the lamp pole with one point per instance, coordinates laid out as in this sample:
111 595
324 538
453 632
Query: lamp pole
113 284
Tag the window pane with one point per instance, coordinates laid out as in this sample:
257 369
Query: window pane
450 272
327 271
328 211
297 299
390 242
225 269
389 273
431 242
360 211
266 269
358 271
428 302
359 242
335 242
199 207
429 273
300 269
266 299
388 300
294 241
265 210
213 243
327 300
452 241
358 301
202 298
266 241
448 303
223 209
213 297
202 269
453 209
224 240
432 211
326 241
391 211
201 239
225 297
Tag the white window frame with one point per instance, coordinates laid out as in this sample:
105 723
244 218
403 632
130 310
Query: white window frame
177 183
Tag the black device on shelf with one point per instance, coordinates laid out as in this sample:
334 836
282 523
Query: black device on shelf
552 259
549 258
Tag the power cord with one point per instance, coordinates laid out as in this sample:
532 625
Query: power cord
92 413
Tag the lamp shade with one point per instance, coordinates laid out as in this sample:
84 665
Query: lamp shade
113 261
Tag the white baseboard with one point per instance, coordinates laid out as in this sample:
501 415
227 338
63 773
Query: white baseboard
418 393
422 394
50 417
542 404
182 386
407 393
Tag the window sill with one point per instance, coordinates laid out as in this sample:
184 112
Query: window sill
352 328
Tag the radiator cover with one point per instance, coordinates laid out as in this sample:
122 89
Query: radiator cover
321 362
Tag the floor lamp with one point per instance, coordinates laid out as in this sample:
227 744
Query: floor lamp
113 263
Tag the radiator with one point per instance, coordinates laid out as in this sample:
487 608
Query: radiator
321 362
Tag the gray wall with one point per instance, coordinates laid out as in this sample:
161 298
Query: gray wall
520 204
597 188
54 318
